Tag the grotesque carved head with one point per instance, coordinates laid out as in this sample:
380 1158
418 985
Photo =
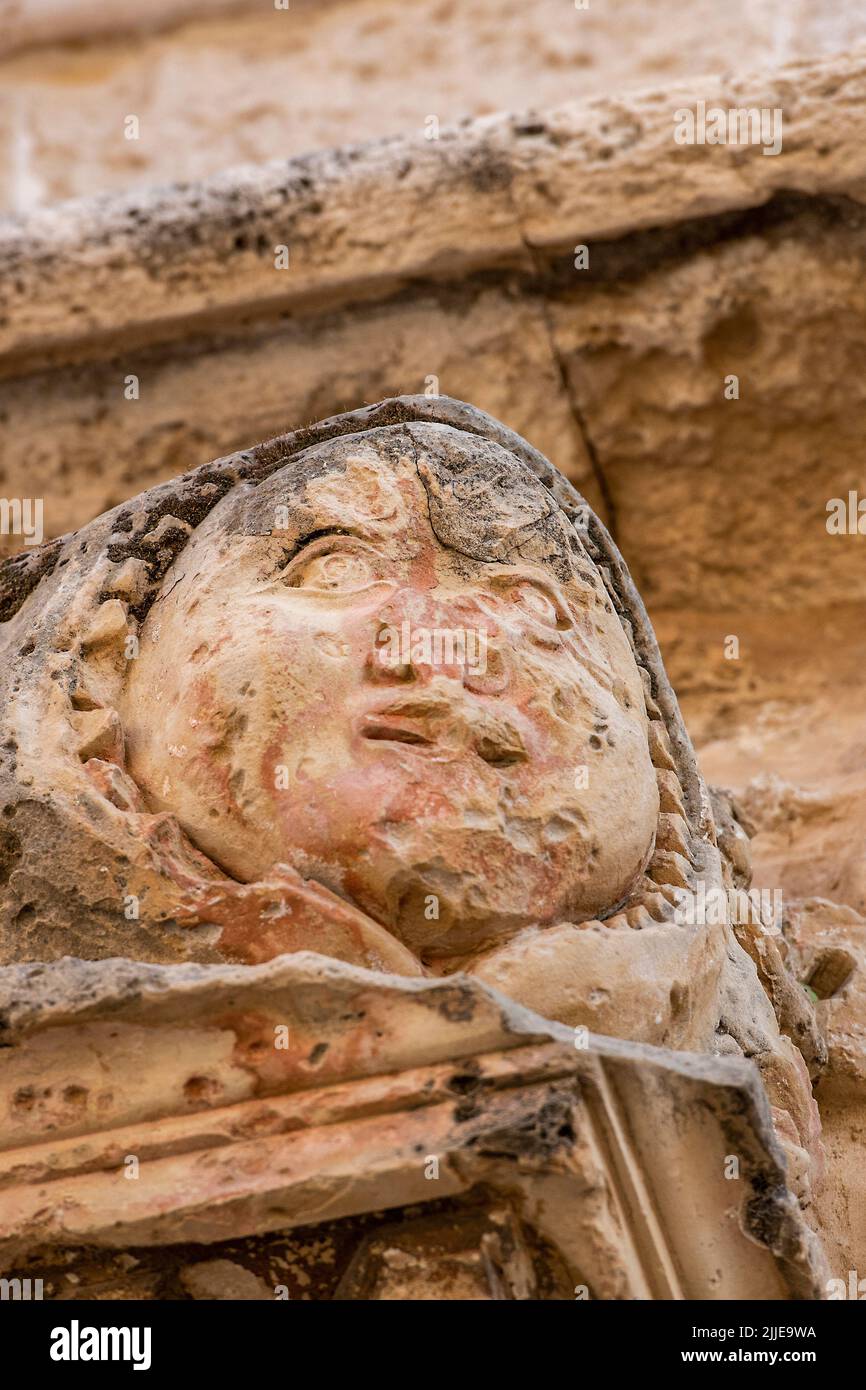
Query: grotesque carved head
381 689
393 667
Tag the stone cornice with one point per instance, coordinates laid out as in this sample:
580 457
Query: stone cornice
30 23
370 220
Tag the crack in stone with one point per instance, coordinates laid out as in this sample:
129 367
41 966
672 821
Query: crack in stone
577 415
579 418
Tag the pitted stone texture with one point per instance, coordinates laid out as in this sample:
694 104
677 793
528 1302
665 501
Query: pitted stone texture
223 89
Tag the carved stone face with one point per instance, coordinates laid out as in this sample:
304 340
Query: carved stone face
399 673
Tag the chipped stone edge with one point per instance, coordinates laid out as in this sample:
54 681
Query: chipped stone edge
71 992
364 220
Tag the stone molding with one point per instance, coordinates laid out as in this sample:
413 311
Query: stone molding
369 220
611 1151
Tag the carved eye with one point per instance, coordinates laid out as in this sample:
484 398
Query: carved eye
332 572
536 603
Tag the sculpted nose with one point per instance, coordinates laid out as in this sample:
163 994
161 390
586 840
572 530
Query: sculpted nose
419 639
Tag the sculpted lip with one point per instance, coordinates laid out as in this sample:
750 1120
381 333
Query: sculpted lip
385 730
423 721
408 720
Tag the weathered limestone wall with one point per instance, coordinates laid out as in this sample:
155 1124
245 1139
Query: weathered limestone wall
703 261
146 331
216 83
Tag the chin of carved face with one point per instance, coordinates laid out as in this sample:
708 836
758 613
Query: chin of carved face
457 746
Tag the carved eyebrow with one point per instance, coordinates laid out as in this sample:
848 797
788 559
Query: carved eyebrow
522 574
311 536
327 531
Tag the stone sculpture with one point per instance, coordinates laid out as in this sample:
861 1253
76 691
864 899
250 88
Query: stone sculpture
383 690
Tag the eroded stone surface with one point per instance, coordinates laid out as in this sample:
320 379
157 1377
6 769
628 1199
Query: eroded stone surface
699 260
201 841
247 86
553 1167
399 707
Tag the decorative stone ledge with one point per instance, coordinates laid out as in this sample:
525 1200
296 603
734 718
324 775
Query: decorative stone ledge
610 1152
449 265
371 220
24 23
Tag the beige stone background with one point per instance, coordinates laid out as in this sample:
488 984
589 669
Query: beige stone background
215 84
719 506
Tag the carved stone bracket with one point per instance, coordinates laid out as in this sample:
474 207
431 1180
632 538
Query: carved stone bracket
190 1104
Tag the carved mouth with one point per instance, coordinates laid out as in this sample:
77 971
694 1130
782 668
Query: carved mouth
419 722
416 722
381 729
413 721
